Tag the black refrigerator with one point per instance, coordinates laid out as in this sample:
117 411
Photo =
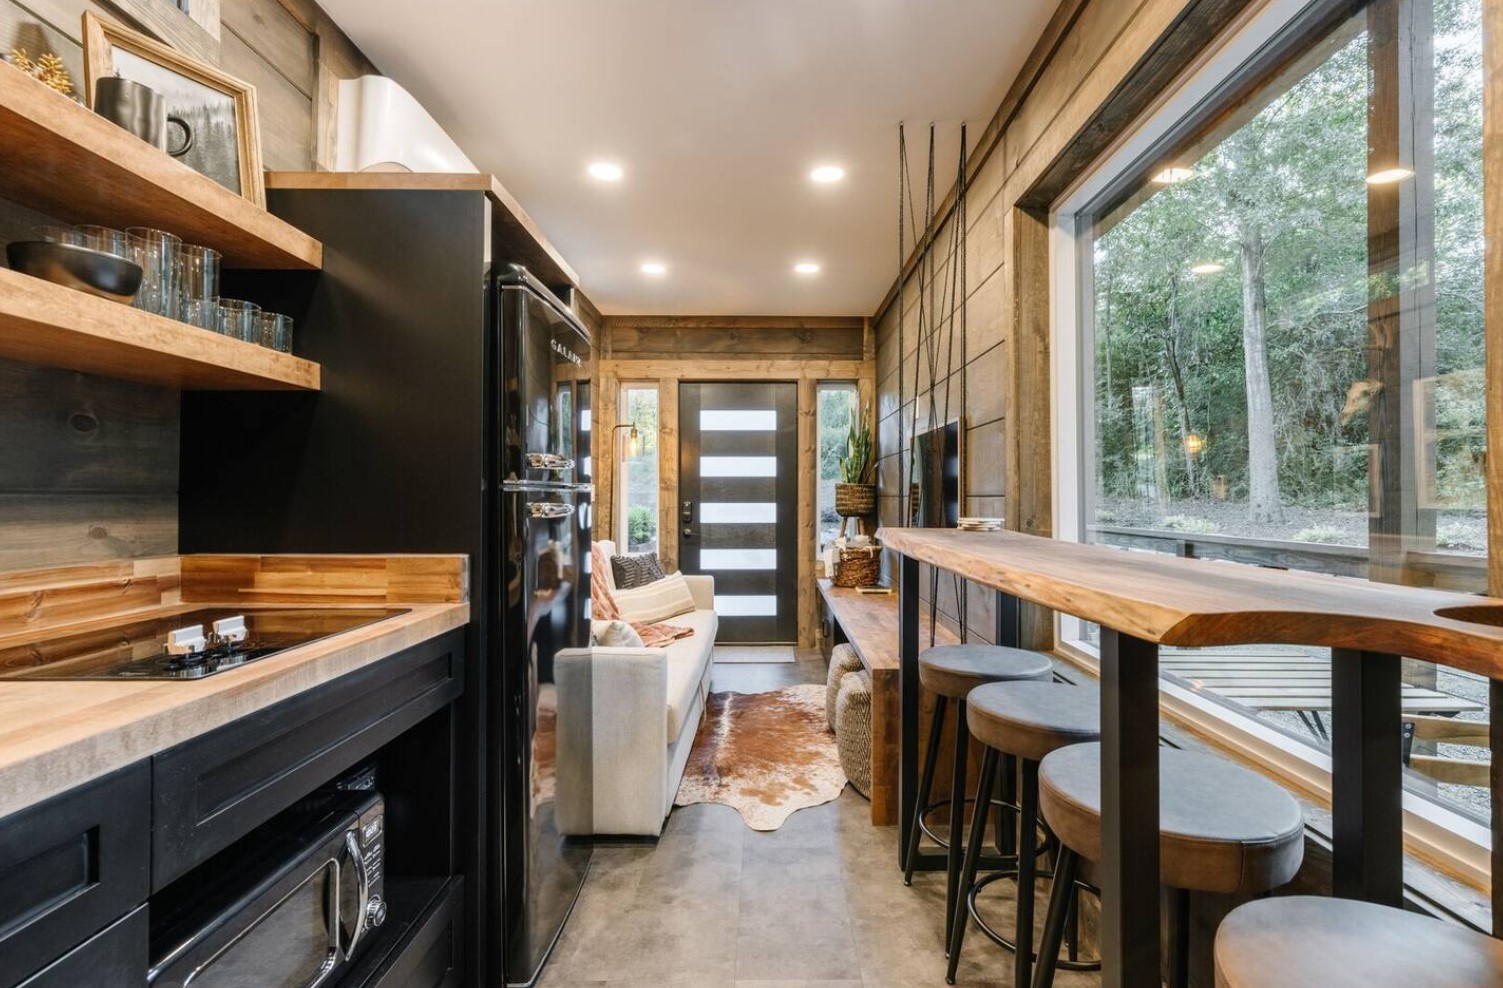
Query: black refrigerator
454 416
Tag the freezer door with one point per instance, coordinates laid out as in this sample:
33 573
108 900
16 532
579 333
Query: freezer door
544 603
545 370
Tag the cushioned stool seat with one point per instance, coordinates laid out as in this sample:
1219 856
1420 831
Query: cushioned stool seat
853 729
1308 942
843 659
1222 827
955 670
1032 719
1024 720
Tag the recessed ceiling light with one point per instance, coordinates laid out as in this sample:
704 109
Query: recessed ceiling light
1388 176
654 268
806 267
606 171
1171 175
825 174
1207 267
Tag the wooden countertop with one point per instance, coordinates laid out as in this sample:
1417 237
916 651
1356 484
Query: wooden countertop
870 622
58 735
1189 602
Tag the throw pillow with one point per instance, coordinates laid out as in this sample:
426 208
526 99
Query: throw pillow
657 601
654 635
615 634
602 602
636 571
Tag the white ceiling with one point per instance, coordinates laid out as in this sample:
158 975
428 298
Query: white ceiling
717 109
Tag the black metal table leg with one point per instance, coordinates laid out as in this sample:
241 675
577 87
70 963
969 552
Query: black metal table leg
1130 811
1367 794
908 700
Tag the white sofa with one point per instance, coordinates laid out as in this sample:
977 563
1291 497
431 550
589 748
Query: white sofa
626 722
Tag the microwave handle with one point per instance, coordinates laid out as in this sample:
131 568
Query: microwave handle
362 891
331 959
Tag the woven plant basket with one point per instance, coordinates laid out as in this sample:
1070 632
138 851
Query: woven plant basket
855 500
859 567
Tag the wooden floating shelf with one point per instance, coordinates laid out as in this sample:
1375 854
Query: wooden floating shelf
43 323
60 158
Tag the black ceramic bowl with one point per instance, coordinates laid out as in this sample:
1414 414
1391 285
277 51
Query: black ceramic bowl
87 270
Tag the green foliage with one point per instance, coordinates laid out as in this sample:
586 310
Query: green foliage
1189 524
1281 204
1322 534
641 526
859 465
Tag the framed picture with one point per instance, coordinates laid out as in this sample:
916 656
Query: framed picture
217 110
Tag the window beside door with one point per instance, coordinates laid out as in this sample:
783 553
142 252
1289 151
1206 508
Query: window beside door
836 409
1283 325
637 476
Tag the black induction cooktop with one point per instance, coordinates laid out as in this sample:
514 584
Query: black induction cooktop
187 645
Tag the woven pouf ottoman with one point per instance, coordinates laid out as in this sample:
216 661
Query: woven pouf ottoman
853 729
843 659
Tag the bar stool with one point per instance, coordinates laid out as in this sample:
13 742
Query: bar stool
1302 941
951 672
1222 828
1026 721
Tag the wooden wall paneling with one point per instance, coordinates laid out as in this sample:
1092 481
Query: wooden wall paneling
760 369
645 343
1029 482
603 441
1492 228
808 600
668 513
270 29
56 529
285 112
195 31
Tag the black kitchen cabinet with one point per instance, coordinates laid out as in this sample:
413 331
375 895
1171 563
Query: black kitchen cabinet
115 958
214 789
69 867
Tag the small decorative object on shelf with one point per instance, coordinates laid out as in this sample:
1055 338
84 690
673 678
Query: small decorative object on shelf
856 493
48 69
859 563
216 112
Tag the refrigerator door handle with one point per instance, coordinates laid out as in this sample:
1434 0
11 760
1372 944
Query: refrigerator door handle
549 461
549 509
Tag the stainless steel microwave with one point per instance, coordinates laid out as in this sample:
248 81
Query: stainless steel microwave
290 907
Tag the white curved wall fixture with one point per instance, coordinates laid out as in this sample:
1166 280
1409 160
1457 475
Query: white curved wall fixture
382 128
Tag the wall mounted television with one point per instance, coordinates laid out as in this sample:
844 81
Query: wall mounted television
934 495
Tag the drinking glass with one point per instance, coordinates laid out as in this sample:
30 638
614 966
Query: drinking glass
103 238
276 331
60 235
156 252
240 320
198 282
200 312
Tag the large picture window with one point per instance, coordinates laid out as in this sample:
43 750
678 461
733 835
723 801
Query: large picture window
1283 326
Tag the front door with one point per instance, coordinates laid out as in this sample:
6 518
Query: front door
738 497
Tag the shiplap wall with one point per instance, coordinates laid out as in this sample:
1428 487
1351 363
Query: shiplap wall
89 466
1071 91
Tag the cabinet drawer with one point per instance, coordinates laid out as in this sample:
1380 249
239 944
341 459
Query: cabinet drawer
214 789
69 867
116 958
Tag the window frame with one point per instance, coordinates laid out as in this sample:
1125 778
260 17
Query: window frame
853 388
1267 35
621 513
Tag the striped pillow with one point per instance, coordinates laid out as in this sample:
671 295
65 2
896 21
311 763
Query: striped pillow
658 601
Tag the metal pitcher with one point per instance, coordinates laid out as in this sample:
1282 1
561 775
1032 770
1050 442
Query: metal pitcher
142 111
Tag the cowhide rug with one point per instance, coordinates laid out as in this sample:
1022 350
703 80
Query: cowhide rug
766 755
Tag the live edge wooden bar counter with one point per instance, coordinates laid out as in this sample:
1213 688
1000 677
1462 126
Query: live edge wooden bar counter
1144 600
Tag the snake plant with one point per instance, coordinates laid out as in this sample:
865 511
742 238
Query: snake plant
859 465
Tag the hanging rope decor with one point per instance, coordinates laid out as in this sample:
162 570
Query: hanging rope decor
940 311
